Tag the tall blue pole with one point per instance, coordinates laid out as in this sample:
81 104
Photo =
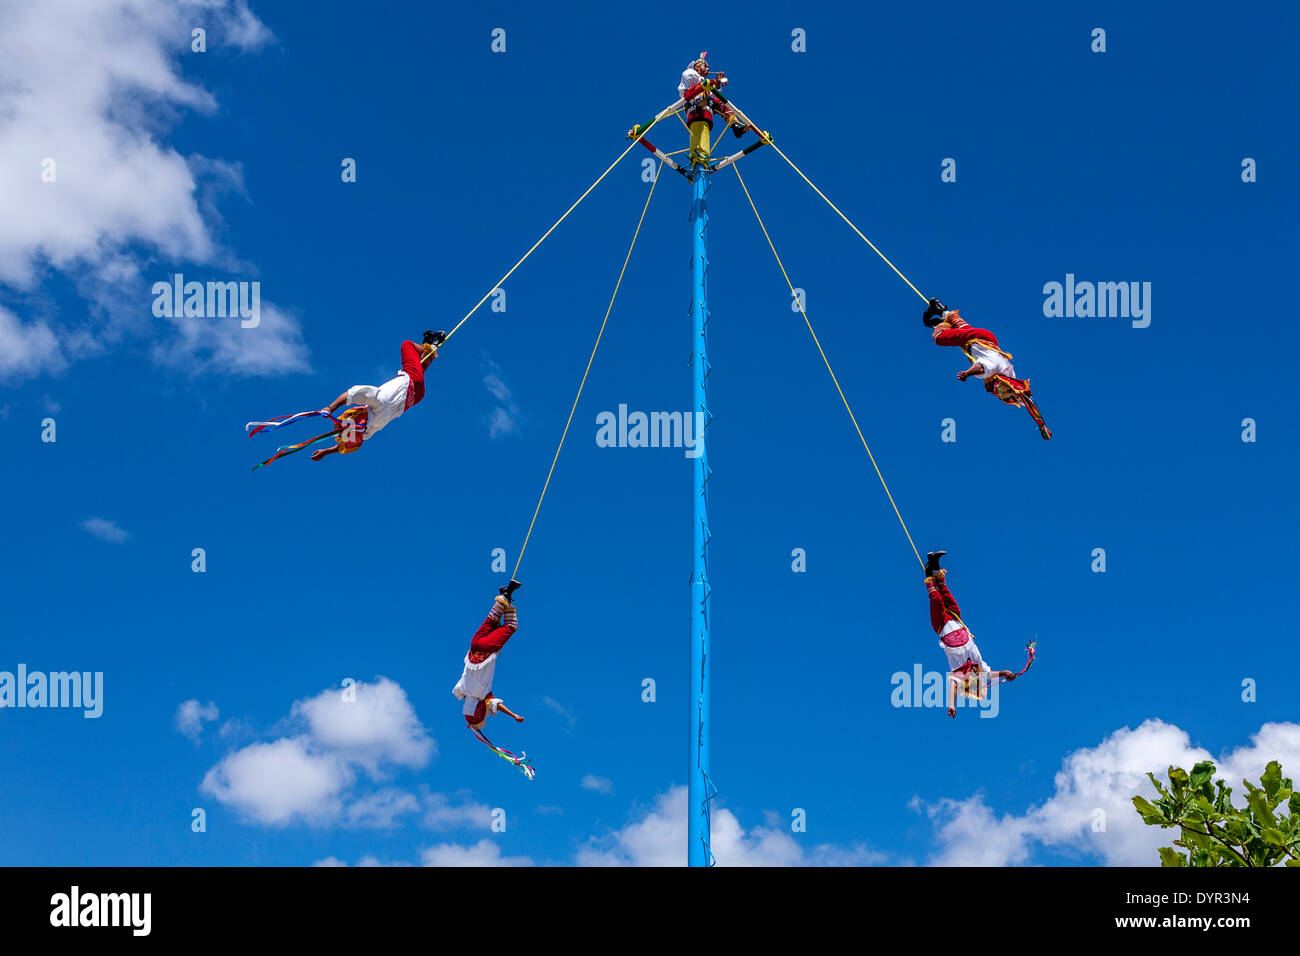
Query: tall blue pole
700 785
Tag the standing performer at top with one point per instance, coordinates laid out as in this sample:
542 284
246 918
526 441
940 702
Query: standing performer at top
987 360
702 104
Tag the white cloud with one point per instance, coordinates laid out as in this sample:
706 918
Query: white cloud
441 814
105 530
366 860
482 853
277 782
231 730
599 784
505 418
379 726
93 87
380 809
27 349
659 839
274 347
191 716
242 29
1099 779
312 776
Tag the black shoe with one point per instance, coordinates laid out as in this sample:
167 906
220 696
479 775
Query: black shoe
739 129
932 313
434 338
508 591
932 562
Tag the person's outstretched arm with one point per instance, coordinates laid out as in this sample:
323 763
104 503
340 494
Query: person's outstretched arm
320 453
975 369
338 403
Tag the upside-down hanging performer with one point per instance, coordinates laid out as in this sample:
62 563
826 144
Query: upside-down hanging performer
370 407
988 361
967 673
475 684
701 104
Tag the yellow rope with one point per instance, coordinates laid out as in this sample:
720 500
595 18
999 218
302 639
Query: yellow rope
770 142
586 372
965 351
819 344
834 379
551 230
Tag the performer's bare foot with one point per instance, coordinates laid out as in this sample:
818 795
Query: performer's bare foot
952 711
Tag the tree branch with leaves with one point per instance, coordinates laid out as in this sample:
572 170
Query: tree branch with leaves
1214 832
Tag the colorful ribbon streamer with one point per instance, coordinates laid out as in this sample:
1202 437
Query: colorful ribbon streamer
339 424
522 761
1030 648
254 427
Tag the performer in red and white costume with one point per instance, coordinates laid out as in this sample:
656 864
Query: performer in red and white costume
475 684
383 403
967 672
702 104
988 361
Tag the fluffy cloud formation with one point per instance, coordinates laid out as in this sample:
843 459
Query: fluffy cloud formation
374 726
659 839
310 776
27 349
1099 783
599 784
482 853
92 190
191 716
277 782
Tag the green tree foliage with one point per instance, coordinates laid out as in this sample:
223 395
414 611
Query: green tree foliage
1213 832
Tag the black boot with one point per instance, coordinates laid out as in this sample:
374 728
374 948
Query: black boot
434 338
932 313
932 562
508 591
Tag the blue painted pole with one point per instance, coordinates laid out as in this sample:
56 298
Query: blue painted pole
700 785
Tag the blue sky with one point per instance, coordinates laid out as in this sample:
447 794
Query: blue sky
1115 166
